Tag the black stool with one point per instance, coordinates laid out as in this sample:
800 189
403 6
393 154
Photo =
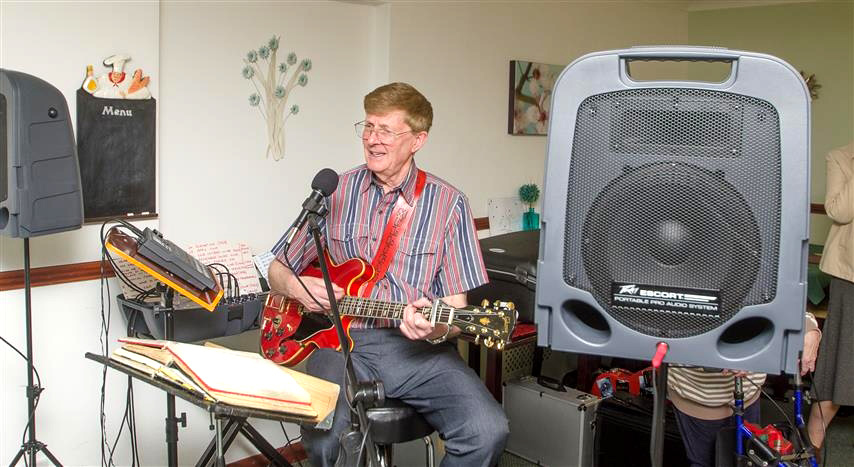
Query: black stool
393 421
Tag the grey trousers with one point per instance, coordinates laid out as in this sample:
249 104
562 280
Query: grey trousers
431 378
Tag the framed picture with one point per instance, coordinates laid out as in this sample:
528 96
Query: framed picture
531 87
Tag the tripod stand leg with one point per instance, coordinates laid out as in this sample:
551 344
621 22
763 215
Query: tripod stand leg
31 449
50 456
263 445
17 457
227 435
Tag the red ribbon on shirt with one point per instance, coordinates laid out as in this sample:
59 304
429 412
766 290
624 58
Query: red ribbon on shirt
398 223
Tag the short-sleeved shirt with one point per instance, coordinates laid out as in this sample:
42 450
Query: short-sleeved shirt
438 255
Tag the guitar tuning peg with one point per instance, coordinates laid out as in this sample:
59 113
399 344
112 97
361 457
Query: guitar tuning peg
505 305
488 342
499 345
477 339
484 303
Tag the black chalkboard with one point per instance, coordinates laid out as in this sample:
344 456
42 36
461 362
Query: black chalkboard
115 147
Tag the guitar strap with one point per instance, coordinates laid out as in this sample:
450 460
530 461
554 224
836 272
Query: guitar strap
398 223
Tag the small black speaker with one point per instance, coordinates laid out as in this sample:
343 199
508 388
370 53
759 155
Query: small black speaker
677 212
40 189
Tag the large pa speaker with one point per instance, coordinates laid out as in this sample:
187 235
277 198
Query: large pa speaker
677 212
40 189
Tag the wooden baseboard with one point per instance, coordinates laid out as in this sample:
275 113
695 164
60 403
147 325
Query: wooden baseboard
293 453
50 275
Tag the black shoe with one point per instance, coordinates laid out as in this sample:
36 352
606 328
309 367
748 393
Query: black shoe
845 411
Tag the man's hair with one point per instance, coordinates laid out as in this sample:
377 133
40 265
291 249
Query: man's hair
401 96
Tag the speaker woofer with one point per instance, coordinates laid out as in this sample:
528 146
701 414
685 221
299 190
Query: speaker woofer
673 225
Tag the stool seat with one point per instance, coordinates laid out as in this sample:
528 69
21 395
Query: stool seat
396 422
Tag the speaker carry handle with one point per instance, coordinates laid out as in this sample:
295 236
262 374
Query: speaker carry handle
684 54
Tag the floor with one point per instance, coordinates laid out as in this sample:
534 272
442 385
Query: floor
840 441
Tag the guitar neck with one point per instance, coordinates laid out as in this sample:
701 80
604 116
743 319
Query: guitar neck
369 308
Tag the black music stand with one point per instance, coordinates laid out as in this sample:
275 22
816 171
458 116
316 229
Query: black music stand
127 247
236 416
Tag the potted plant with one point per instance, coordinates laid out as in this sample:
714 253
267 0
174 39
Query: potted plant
529 193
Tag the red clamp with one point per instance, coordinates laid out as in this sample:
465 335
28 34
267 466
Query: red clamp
660 352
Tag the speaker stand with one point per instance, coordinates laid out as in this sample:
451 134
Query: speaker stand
32 446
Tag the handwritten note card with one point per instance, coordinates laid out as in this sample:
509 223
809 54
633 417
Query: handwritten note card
235 256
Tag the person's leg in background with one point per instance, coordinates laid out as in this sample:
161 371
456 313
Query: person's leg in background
821 413
699 435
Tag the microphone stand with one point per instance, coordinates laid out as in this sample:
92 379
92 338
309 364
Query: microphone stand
357 395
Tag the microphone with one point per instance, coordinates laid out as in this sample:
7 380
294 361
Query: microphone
323 185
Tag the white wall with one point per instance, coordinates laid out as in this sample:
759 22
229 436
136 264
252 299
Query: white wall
458 53
215 180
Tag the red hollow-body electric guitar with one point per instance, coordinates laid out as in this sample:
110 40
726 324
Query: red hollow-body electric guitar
289 333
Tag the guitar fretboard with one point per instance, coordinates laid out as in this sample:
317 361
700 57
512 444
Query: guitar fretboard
365 307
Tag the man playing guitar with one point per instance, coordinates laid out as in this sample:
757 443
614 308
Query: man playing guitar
433 255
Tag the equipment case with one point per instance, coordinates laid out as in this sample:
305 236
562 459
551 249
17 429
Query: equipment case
511 264
623 433
550 427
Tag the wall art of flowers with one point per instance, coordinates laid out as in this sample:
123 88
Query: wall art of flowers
274 82
531 87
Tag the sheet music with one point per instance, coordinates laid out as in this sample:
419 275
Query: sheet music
145 281
262 261
505 215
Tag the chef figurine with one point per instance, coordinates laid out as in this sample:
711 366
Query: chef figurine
114 84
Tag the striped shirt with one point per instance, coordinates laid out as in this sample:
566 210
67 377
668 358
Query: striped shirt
708 395
438 255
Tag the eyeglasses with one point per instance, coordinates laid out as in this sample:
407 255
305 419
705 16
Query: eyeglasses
386 136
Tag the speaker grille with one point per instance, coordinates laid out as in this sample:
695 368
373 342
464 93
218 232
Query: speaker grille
674 188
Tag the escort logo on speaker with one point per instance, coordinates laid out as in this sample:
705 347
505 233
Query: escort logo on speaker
666 299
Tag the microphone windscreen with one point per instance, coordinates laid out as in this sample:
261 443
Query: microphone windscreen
326 181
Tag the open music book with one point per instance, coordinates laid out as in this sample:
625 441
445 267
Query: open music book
238 378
